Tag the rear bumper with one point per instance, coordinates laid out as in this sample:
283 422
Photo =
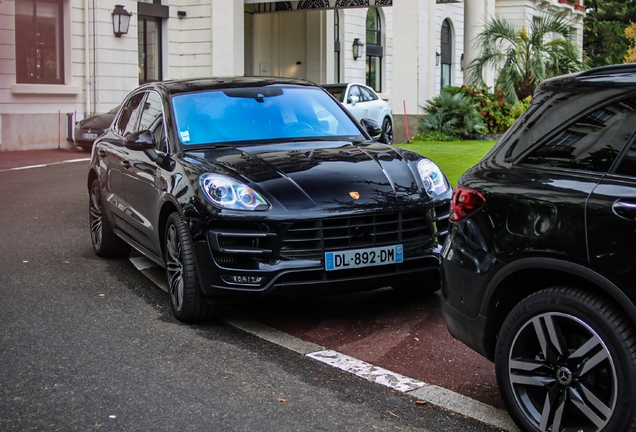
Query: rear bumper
468 330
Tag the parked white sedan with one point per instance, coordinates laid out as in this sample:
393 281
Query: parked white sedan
363 102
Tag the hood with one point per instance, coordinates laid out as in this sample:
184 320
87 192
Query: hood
327 175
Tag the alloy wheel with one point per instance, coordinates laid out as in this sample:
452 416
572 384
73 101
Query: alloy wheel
174 267
96 217
562 374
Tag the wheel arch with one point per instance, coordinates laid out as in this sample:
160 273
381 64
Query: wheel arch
521 278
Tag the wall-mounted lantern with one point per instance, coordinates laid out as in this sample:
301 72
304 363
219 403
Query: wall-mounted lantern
121 20
357 48
437 57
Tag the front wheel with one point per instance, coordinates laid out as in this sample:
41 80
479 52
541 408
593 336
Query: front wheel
566 361
387 131
186 298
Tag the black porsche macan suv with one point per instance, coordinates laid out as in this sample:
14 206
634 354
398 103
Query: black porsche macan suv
243 187
540 265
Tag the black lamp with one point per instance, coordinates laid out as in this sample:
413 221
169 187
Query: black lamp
357 48
121 20
437 57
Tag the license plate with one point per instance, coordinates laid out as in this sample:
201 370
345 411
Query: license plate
363 257
89 136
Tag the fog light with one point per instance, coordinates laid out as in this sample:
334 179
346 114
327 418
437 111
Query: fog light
246 280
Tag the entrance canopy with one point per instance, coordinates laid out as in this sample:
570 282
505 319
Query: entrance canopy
282 6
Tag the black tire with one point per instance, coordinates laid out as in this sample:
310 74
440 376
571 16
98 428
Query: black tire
106 243
187 300
387 131
566 360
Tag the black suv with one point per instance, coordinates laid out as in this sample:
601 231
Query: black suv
540 264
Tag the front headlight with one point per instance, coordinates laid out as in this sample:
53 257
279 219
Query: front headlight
230 194
432 177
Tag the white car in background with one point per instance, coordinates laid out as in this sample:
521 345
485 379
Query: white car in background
363 102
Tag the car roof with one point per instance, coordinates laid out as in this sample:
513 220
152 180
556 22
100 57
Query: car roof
212 83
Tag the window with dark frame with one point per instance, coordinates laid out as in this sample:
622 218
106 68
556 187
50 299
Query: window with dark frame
446 54
151 14
149 40
39 44
374 50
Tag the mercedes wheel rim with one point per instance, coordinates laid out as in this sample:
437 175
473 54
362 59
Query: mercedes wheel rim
562 374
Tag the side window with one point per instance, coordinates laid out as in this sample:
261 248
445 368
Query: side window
152 120
591 143
129 115
354 95
628 163
366 95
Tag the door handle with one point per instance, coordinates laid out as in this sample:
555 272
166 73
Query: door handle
625 209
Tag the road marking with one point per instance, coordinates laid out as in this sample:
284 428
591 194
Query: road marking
432 394
44 165
367 371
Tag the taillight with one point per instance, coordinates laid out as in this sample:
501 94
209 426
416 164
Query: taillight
465 202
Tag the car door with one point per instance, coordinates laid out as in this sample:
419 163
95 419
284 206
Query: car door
143 177
113 156
372 104
611 221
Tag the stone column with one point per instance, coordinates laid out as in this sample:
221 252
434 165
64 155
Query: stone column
413 62
228 39
476 14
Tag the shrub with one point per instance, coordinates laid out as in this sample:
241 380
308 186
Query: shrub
433 136
454 115
497 113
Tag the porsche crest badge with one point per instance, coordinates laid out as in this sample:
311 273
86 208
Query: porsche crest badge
354 195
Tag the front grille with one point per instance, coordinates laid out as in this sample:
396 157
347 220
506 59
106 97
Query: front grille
310 239
441 223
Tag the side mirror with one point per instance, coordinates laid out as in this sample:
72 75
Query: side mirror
354 99
140 140
372 127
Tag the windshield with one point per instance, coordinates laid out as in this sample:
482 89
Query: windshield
260 113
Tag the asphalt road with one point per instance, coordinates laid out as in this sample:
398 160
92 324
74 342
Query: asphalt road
91 344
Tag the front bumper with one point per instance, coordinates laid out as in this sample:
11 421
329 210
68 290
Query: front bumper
287 258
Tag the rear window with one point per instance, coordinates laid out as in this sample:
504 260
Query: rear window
554 107
591 142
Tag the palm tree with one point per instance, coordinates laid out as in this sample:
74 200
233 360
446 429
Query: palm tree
521 57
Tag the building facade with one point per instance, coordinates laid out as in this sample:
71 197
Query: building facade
61 60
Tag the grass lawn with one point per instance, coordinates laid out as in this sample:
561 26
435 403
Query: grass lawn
452 157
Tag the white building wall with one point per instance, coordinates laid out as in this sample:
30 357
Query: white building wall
354 26
218 37
190 40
